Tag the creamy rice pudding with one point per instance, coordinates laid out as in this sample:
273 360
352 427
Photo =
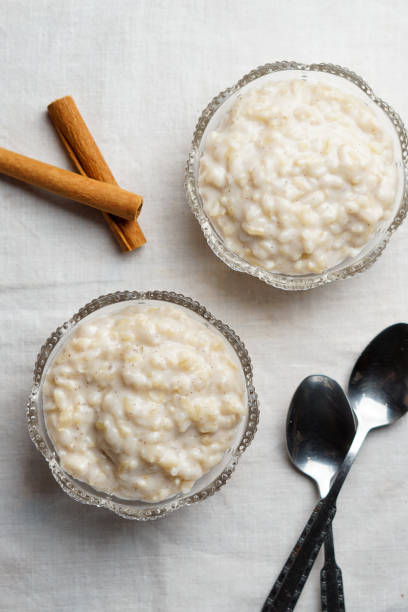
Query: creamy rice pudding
144 401
298 176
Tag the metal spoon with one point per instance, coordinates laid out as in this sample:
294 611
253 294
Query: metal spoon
379 391
320 428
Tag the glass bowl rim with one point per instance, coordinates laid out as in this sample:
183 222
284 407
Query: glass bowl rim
84 493
215 242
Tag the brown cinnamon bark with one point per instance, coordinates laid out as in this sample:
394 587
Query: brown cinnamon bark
89 161
106 197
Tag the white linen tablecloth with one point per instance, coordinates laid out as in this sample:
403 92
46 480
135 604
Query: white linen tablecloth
141 72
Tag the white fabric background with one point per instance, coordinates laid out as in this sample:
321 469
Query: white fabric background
141 72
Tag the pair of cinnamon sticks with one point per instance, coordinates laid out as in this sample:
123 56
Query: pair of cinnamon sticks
96 187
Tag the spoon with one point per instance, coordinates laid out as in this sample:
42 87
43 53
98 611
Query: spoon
320 428
379 392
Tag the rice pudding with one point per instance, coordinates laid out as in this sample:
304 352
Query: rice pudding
298 176
142 402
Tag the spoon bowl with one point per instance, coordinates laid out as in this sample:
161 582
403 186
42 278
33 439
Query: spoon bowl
320 428
378 386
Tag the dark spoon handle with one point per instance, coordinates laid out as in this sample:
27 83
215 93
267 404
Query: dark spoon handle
331 579
288 587
331 585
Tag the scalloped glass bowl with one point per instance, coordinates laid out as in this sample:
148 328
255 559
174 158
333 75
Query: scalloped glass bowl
134 509
328 73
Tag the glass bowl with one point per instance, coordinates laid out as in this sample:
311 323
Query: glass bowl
330 74
134 509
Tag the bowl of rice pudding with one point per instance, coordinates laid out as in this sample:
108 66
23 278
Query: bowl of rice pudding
142 403
298 174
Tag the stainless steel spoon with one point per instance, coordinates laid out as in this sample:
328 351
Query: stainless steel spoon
320 428
379 391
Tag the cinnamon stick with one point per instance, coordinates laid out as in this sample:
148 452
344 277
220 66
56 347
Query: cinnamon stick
89 161
106 197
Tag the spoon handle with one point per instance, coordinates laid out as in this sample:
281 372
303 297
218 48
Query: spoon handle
291 580
331 579
288 587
